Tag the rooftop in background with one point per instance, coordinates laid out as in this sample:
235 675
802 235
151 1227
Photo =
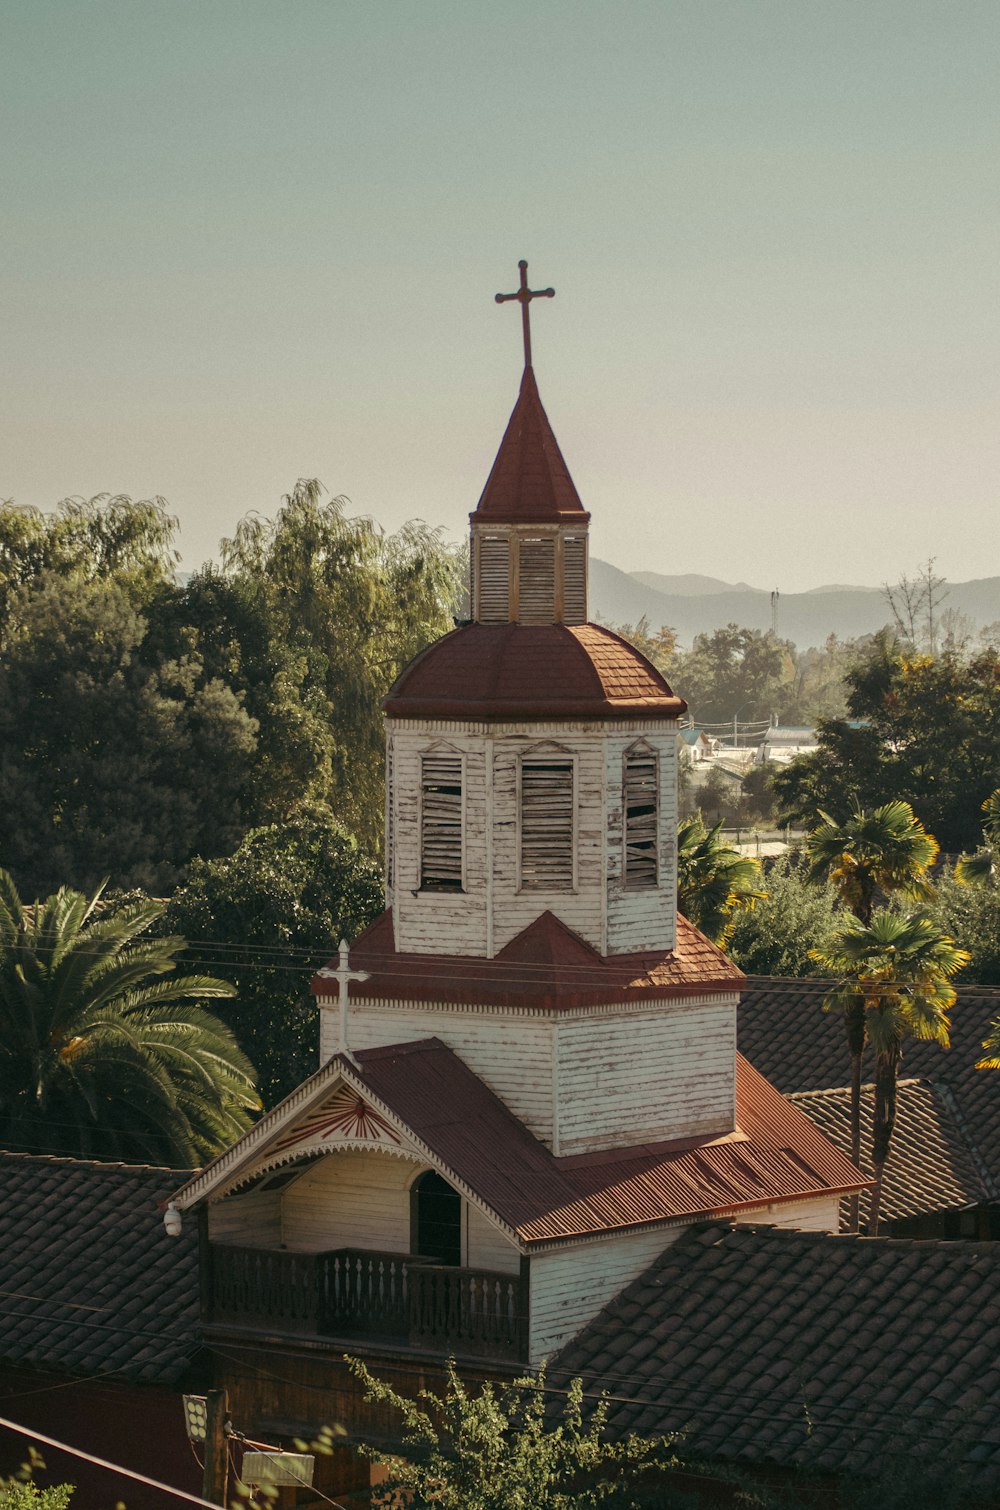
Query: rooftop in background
90 1283
804 1350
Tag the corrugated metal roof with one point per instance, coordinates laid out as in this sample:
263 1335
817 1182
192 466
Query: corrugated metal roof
775 1154
505 672
529 480
547 967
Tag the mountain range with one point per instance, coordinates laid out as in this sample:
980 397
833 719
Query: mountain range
693 604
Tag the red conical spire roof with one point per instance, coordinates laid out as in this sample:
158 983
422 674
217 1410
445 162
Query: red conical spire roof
529 481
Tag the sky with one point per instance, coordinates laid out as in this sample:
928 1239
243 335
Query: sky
246 242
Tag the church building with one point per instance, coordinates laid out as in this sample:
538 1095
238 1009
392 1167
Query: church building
528 1083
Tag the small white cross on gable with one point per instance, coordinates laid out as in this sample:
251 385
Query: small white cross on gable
343 975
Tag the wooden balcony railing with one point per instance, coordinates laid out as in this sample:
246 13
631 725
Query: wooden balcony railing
357 1293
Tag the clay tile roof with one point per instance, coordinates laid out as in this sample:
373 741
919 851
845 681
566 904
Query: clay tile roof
89 1281
546 967
799 1382
507 672
784 1031
529 479
931 1165
775 1155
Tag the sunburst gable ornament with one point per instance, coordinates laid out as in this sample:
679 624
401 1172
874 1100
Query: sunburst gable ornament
344 1117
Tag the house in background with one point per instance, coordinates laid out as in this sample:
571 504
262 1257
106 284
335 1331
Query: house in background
528 1086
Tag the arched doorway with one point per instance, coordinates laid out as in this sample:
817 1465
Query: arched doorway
435 1219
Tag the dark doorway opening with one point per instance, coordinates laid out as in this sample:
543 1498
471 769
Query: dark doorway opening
436 1220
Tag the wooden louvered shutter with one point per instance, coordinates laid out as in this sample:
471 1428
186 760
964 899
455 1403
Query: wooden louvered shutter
640 818
574 579
493 603
537 581
441 823
547 825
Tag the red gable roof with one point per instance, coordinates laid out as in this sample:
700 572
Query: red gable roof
776 1154
547 967
529 480
515 671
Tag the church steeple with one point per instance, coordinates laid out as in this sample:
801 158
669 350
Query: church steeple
529 530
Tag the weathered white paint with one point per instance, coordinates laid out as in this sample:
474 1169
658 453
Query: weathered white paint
493 908
250 1219
485 1246
670 1073
819 1215
569 1286
512 1055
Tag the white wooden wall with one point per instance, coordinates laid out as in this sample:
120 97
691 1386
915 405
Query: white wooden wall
352 1198
820 1215
569 1286
670 1073
512 1054
251 1219
492 909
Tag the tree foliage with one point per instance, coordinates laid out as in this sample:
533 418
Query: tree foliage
268 916
924 729
896 971
104 1051
715 883
498 1449
777 935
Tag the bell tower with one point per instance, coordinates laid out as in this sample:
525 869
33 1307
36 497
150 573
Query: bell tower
529 530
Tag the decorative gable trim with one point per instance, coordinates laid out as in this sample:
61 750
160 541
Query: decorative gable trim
239 1164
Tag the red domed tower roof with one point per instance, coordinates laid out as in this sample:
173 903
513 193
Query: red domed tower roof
499 672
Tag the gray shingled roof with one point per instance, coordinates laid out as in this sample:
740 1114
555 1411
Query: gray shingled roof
806 1350
786 1035
931 1164
89 1281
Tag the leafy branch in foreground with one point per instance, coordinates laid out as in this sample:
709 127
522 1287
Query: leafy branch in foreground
499 1449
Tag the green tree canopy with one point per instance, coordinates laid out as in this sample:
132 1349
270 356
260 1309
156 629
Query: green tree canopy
715 883
498 1449
897 971
268 916
924 729
777 935
104 1051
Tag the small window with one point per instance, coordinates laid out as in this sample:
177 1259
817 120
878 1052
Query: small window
441 823
537 589
435 1219
493 602
575 579
547 825
640 803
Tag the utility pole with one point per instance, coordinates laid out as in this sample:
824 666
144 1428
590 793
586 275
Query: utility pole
215 1486
774 612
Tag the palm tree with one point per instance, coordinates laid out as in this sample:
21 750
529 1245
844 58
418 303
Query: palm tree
883 852
714 881
896 971
984 865
104 1053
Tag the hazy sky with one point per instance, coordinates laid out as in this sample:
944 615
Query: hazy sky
244 242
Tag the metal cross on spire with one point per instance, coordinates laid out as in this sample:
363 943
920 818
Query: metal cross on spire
524 297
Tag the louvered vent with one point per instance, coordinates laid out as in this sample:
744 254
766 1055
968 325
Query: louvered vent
441 823
574 579
493 602
547 825
537 582
640 819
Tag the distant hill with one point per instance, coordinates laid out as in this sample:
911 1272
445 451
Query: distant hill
807 618
690 585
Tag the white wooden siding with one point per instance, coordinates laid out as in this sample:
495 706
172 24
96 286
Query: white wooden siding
512 1055
569 1286
251 1219
492 909
819 1215
629 1080
646 918
351 1199
485 1246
